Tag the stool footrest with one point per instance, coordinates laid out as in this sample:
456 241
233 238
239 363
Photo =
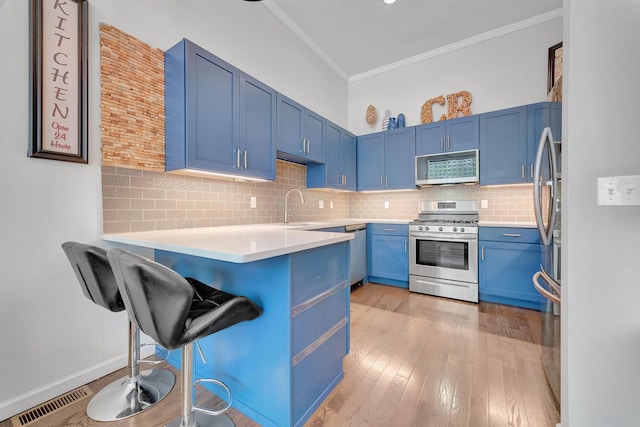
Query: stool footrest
209 411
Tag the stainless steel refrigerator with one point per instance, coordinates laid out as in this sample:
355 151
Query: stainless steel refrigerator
547 280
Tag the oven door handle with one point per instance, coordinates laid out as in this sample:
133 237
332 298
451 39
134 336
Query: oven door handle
442 237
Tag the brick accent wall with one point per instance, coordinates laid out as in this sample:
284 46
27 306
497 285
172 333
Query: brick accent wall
131 101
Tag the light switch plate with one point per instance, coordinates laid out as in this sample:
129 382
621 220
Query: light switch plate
331 204
321 204
484 204
386 204
253 202
619 190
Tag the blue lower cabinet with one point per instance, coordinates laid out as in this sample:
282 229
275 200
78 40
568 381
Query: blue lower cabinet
508 258
281 366
387 254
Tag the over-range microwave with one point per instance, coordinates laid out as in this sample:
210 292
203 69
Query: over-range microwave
458 167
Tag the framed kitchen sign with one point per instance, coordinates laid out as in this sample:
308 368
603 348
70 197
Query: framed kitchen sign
58 80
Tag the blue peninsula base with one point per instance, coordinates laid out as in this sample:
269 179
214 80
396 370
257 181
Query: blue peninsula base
281 366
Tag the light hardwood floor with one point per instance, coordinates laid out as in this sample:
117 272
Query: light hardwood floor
415 360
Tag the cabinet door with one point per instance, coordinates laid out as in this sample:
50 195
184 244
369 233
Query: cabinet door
333 171
212 111
370 159
463 133
257 129
505 273
503 146
389 257
539 116
400 159
348 159
314 132
289 129
430 138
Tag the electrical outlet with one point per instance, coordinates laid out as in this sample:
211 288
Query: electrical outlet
253 202
321 204
484 204
386 204
331 204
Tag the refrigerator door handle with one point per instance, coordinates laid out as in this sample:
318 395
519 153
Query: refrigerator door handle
546 140
541 290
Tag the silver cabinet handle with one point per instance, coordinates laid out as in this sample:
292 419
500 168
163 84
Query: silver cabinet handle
389 229
405 246
511 235
381 181
308 146
449 142
531 173
238 158
482 253
522 172
441 143
386 181
245 159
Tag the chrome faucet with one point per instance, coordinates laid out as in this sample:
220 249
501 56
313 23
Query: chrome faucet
286 197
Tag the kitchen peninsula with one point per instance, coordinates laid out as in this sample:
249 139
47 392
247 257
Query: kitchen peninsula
282 365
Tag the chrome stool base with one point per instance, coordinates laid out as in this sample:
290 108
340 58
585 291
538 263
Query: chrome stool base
127 397
202 420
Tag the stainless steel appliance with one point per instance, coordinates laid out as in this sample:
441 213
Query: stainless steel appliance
357 250
547 281
456 167
443 250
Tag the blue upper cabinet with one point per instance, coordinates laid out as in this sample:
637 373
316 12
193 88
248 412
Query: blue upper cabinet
256 145
503 151
448 135
386 160
205 130
509 140
339 170
301 133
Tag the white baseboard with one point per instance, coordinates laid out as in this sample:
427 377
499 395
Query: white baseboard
34 397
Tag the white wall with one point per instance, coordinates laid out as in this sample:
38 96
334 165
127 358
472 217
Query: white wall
601 274
501 72
52 338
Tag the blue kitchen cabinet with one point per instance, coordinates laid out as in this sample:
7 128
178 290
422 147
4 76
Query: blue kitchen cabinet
388 254
457 134
509 140
503 149
508 258
300 132
339 170
207 108
386 160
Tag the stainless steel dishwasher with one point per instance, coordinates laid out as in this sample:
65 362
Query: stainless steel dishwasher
357 250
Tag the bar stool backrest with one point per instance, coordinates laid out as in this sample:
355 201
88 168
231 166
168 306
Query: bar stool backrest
156 297
92 268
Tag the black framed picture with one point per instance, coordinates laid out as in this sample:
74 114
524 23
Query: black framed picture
555 66
58 80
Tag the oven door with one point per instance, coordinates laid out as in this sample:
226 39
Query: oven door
450 256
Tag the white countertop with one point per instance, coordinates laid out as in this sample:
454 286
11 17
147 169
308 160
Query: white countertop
507 224
239 243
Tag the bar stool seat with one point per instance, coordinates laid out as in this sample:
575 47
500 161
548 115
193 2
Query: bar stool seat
176 311
139 390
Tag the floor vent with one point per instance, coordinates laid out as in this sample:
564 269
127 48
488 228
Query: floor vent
32 415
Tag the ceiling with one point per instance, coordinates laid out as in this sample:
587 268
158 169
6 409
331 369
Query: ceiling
357 37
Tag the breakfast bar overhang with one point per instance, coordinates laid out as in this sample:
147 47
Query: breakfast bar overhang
281 366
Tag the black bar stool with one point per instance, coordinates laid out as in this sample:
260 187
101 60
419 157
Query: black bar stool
176 311
137 391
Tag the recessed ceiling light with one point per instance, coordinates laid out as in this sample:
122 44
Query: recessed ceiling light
389 1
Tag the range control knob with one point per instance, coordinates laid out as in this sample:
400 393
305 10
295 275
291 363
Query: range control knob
455 229
420 228
462 229
439 228
426 229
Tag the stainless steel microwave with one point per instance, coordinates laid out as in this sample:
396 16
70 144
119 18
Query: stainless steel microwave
458 167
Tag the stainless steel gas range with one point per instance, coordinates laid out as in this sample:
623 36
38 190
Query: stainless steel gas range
443 250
